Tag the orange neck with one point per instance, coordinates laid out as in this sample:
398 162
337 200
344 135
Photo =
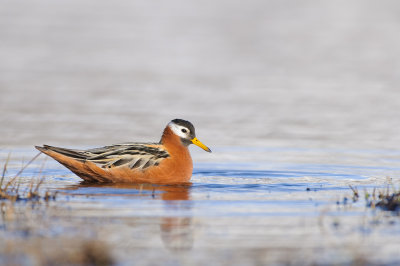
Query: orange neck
171 141
180 161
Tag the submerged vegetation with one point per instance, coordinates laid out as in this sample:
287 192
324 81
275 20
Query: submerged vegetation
11 189
386 199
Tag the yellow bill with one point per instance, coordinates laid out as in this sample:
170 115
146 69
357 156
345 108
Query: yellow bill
197 142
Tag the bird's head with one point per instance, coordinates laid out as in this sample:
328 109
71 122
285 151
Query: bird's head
185 130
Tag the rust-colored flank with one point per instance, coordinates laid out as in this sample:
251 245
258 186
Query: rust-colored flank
166 162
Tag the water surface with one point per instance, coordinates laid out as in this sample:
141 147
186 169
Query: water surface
235 212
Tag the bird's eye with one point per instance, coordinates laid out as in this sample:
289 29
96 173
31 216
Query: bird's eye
184 130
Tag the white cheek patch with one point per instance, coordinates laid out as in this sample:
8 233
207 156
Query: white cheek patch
178 130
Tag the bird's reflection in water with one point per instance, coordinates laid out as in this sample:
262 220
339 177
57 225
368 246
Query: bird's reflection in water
176 230
176 226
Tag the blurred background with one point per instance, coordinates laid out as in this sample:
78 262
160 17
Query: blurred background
321 74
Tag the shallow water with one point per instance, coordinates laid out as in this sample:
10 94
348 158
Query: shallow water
236 213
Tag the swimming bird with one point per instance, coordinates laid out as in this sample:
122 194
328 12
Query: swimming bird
166 162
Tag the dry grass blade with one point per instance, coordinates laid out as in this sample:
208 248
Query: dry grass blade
20 171
5 169
356 195
11 191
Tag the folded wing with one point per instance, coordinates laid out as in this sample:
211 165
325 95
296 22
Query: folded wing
133 155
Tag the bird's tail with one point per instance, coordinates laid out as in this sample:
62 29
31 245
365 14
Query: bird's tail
75 161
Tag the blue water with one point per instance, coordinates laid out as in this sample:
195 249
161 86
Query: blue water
230 205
